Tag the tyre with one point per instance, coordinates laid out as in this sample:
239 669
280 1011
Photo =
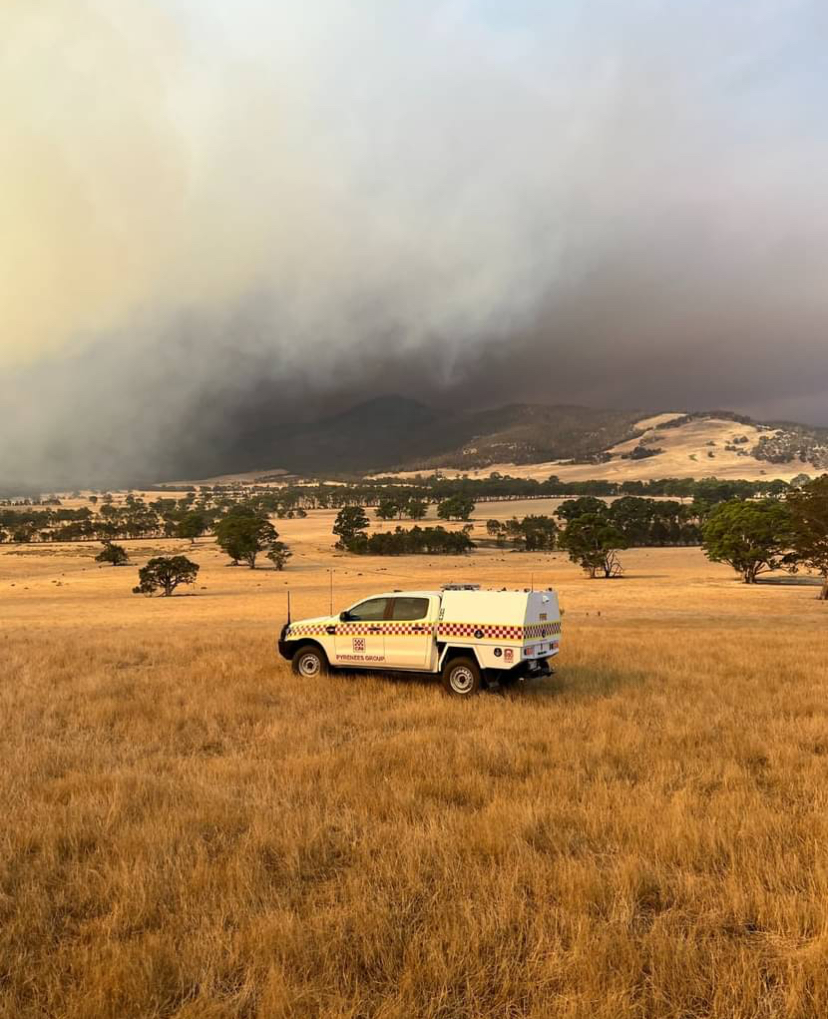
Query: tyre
309 661
461 677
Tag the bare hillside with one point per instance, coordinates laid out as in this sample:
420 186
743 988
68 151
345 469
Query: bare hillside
681 446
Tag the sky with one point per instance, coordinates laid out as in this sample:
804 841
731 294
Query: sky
220 212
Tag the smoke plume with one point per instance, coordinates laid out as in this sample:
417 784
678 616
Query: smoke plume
217 214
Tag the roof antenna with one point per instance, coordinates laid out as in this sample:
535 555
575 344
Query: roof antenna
331 589
532 580
288 594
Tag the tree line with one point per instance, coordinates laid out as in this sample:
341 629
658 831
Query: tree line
351 526
751 535
198 510
189 517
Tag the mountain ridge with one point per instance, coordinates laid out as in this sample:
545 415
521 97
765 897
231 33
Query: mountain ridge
398 432
392 433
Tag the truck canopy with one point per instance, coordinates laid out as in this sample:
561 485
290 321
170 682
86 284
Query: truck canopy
499 616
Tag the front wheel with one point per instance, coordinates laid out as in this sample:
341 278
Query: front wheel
309 661
461 677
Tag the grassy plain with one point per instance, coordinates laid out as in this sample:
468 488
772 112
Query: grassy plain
190 831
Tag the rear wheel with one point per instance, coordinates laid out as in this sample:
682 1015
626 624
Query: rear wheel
461 677
310 661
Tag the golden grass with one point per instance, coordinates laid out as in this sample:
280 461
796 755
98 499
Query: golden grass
192 831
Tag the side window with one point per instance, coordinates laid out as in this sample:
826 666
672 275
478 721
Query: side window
410 608
370 610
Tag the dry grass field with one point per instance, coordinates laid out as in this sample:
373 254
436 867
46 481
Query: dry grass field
190 831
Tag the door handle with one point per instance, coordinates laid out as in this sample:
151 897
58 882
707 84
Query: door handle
373 629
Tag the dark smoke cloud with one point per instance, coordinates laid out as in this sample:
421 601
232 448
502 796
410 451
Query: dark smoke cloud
270 214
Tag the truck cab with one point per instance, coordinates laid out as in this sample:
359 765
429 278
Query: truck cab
466 635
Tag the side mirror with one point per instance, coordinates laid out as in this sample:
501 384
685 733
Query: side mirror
344 616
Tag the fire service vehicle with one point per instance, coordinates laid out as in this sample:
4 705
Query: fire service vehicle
466 635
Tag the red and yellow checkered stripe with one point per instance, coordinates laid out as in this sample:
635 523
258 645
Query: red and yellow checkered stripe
478 631
306 630
535 630
366 629
387 629
494 631
481 631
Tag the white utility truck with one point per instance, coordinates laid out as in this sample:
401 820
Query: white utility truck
465 635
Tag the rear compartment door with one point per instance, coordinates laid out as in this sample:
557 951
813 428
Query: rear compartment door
409 635
542 626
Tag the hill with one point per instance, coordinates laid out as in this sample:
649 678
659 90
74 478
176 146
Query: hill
396 432
528 433
698 445
403 436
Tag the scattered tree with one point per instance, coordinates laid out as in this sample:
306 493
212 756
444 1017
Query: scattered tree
809 528
165 573
243 537
457 507
579 507
752 537
401 506
593 543
114 554
192 525
386 509
539 533
350 524
278 554
416 509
